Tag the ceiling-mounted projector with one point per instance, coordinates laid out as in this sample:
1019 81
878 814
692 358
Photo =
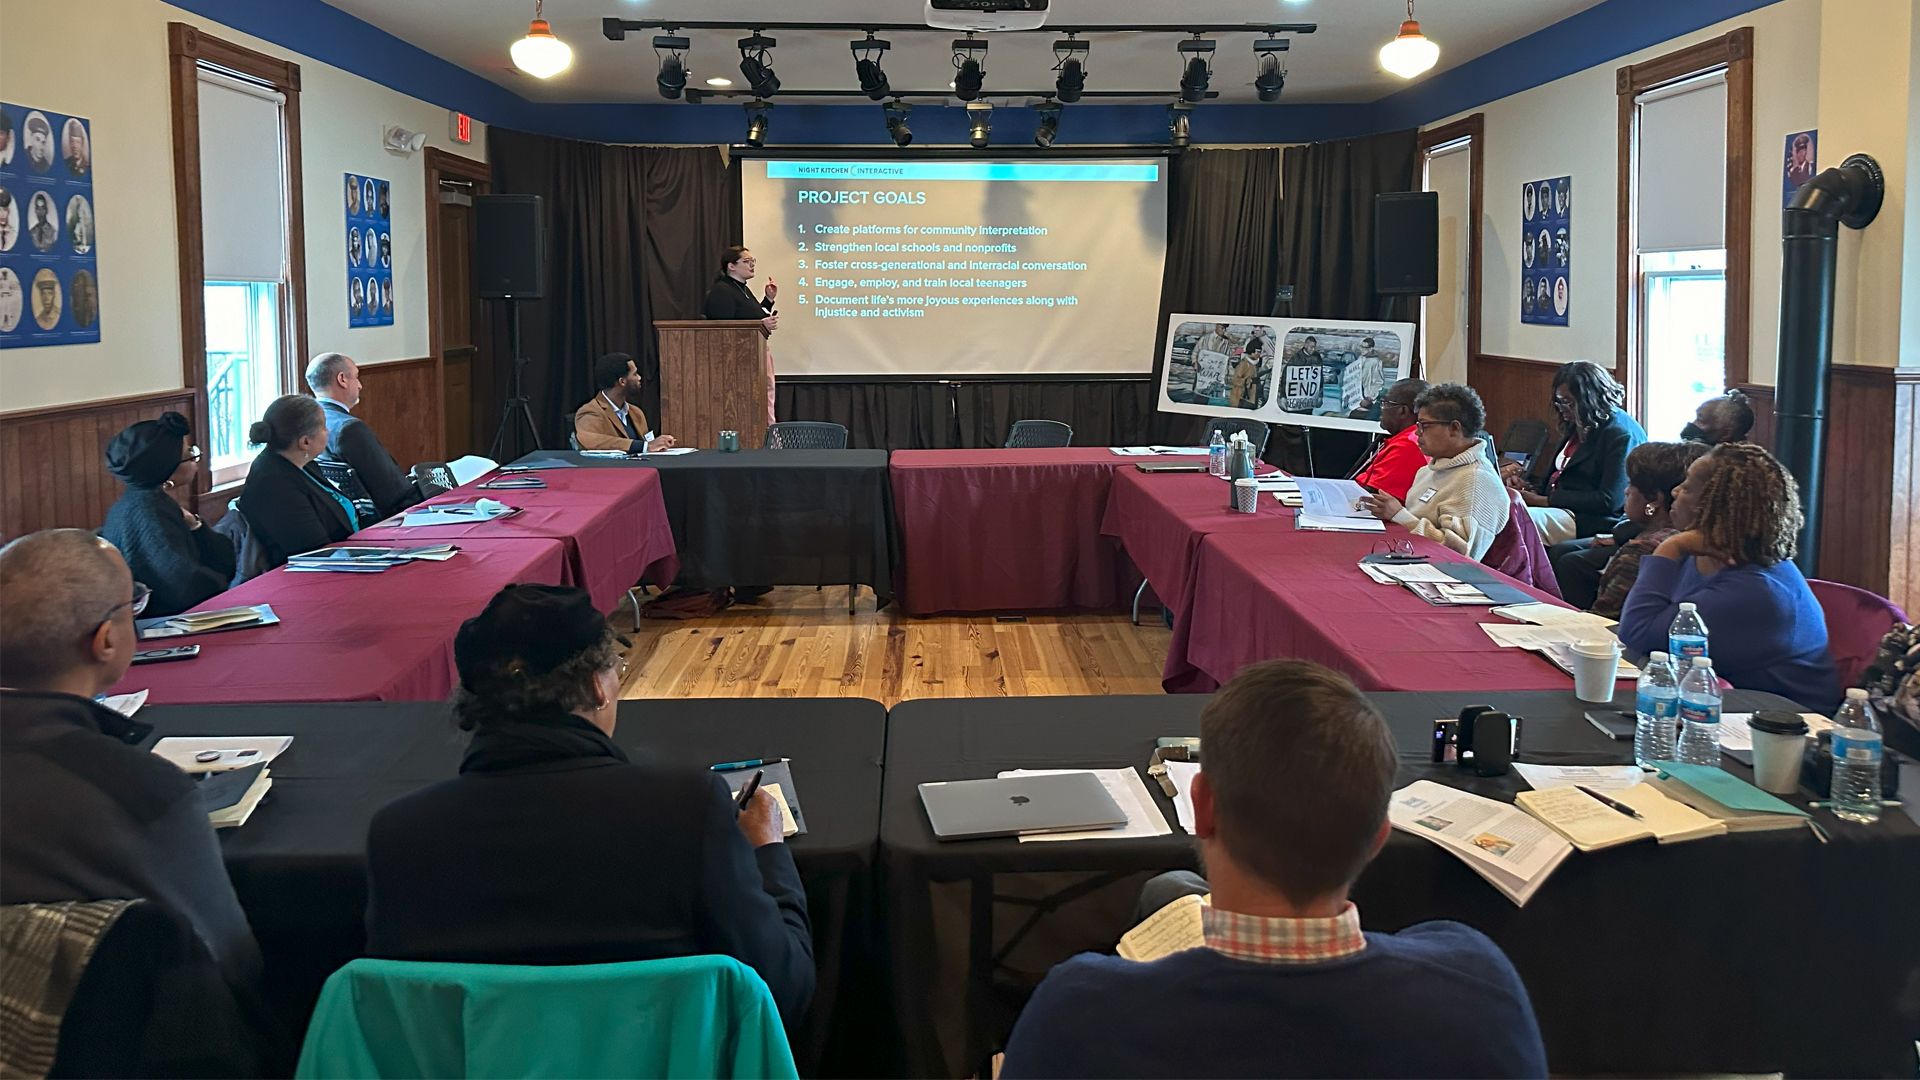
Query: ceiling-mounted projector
984 15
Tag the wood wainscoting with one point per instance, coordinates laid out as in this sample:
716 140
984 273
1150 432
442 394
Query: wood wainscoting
1903 569
400 400
56 472
1514 389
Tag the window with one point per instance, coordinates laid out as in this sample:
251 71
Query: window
243 215
1685 228
1684 348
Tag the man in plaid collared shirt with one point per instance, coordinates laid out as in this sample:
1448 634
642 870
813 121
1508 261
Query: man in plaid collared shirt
1290 806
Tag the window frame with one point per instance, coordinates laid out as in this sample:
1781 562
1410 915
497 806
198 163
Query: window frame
1732 52
1471 130
1649 280
188 49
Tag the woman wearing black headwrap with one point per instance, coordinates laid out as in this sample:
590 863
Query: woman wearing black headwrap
165 544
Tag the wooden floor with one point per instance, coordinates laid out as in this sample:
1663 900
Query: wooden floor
799 642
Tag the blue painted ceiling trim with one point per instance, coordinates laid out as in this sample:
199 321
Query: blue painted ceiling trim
1605 32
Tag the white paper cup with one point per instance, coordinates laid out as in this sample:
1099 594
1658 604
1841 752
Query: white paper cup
1596 664
1246 495
1779 743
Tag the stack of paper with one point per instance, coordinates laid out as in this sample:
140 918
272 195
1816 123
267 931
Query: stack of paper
457 513
1553 615
1592 825
1129 793
1159 451
203 622
1400 573
1719 794
220 754
1181 774
675 452
125 704
1591 777
1513 851
365 560
230 797
1332 506
1554 641
604 453
776 777
1175 928
1449 593
1737 735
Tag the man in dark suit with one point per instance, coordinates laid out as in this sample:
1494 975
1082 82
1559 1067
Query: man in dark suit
553 847
89 815
730 298
335 381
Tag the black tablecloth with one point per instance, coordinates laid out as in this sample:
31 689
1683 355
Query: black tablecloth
1754 952
299 863
771 517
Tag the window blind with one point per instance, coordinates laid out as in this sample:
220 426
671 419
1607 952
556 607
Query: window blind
1682 181
243 189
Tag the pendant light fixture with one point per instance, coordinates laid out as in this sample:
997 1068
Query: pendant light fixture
1412 53
540 54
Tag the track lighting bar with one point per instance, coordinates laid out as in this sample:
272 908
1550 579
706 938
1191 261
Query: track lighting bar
616 29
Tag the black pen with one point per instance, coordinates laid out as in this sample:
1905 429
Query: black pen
1620 806
747 793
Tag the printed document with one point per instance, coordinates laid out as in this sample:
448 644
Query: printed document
1129 793
1182 774
1592 777
1174 928
1501 843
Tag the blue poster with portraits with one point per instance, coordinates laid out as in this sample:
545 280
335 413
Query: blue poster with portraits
1546 260
49 253
369 209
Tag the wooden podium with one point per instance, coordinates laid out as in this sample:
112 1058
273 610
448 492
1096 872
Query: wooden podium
713 376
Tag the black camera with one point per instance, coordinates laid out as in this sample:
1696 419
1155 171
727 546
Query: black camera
1482 738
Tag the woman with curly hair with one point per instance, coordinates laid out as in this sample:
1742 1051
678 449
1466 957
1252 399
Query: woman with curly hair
552 847
1739 514
1584 493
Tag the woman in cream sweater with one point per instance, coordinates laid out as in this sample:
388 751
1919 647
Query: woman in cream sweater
1458 497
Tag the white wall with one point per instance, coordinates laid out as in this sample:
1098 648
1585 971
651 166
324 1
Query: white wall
119 82
1842 66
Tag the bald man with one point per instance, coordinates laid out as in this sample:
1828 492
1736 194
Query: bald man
335 381
88 814
1392 466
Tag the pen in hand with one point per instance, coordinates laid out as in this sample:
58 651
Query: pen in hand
747 793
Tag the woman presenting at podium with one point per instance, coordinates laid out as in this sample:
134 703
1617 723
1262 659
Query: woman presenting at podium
730 298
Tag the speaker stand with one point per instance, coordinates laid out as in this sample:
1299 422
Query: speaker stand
517 414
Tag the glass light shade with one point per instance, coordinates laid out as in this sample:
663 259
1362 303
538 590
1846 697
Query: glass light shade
1410 54
540 54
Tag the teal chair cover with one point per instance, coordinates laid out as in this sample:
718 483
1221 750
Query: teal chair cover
697 1016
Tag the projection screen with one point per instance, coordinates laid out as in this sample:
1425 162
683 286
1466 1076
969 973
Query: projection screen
942 268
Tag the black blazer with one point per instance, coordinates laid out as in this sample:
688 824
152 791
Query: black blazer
584 860
352 441
288 510
730 299
181 564
1593 486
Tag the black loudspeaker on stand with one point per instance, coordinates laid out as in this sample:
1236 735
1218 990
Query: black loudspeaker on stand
510 258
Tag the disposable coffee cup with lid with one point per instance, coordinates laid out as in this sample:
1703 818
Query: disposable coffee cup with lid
1779 741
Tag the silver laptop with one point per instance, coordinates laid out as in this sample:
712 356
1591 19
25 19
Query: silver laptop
1061 802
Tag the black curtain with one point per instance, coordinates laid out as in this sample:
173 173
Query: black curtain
634 234
1326 254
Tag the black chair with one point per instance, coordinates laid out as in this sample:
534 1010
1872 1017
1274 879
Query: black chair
573 440
805 435
1256 432
1526 436
433 478
341 475
1035 433
250 556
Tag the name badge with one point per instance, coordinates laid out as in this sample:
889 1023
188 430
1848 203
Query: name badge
1428 495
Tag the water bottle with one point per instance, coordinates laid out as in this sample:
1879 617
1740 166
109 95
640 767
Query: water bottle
1687 637
1700 714
1856 760
1217 454
1656 712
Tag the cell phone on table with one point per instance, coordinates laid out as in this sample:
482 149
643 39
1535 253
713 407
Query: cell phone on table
161 656
1615 724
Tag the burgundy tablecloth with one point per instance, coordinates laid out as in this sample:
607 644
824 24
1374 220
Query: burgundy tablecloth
1261 595
348 637
612 522
1007 530
1160 519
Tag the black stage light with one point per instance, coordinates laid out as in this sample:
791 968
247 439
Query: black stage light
757 123
1070 60
979 124
753 65
896 113
1271 78
1179 124
673 65
866 64
1198 69
970 67
1044 135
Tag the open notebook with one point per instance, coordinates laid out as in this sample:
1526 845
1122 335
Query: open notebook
1591 825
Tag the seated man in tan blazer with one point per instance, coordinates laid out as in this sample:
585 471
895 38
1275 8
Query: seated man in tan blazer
611 419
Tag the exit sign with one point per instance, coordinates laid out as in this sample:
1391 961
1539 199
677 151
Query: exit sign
462 126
